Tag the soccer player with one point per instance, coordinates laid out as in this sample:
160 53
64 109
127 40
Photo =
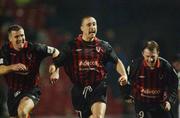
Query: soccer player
19 64
3 100
84 60
154 84
176 65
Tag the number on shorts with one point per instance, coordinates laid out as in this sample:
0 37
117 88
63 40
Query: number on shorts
141 114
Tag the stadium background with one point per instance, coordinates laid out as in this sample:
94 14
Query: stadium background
126 24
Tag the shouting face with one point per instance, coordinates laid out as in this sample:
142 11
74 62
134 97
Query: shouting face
150 57
89 28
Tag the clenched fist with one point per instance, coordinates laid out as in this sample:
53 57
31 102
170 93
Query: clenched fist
123 80
54 74
18 67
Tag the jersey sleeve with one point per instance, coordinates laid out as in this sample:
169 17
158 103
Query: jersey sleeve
63 56
133 68
110 53
3 56
130 71
172 82
43 50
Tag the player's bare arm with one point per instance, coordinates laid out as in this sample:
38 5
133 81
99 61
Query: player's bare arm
54 72
52 67
121 70
12 68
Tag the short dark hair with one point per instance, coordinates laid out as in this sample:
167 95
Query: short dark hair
151 45
14 28
85 17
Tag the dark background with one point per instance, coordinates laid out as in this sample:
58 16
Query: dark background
125 24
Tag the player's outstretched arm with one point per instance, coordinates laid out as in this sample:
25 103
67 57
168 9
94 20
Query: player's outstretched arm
4 69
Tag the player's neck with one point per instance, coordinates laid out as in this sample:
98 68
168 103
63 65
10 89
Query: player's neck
87 39
16 48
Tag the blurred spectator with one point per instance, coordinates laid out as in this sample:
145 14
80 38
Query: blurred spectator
176 65
110 36
22 2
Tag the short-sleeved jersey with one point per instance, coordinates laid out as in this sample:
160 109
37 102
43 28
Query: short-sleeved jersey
84 62
31 55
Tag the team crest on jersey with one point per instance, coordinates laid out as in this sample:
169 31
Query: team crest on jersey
98 49
1 61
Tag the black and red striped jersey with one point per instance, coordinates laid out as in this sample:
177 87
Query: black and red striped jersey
153 85
31 55
84 62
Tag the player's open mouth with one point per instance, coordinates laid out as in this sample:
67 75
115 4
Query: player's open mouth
92 32
20 41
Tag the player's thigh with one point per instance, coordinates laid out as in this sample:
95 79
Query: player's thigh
26 104
98 108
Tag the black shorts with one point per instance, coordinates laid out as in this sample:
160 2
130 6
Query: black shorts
15 97
144 110
83 102
3 102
